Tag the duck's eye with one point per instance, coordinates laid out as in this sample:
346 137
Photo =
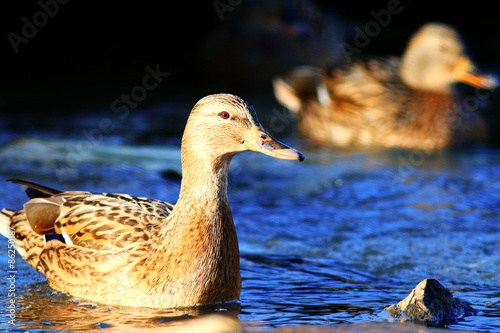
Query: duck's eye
224 115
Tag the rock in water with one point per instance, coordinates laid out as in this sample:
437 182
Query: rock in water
431 303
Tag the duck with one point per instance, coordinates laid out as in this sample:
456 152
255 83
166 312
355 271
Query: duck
126 250
402 103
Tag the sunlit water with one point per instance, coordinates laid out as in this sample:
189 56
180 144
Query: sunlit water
332 240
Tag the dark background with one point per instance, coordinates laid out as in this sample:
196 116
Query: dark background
90 52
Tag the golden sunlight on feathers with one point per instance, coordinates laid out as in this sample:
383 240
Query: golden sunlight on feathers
127 250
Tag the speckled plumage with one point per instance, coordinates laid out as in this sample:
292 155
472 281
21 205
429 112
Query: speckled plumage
127 250
402 103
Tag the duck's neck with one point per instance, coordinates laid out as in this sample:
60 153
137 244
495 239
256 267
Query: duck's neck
203 202
204 180
200 231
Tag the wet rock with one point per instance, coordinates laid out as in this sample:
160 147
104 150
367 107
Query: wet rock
430 303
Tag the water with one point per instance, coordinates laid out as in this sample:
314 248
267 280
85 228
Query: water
332 240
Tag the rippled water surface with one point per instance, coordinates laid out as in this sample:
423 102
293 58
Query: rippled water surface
334 239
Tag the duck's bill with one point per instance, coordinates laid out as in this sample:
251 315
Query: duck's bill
468 74
260 141
478 80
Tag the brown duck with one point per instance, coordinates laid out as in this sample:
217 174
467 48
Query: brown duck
126 250
403 103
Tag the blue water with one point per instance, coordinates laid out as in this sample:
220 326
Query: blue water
334 239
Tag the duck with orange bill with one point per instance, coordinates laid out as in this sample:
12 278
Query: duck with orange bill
134 251
407 102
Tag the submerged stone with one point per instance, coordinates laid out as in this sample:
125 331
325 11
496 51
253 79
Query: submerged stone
431 303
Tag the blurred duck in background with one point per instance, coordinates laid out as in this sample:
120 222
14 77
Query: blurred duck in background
406 102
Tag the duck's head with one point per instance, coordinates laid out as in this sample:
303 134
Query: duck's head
222 125
435 58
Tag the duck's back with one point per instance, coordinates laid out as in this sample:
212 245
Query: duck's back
354 104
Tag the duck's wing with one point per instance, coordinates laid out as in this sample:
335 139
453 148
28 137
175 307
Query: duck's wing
94 221
86 244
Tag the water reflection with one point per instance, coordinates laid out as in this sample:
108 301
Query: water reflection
39 307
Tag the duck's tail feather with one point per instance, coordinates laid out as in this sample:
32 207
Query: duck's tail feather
22 238
36 190
8 226
5 221
15 226
302 83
